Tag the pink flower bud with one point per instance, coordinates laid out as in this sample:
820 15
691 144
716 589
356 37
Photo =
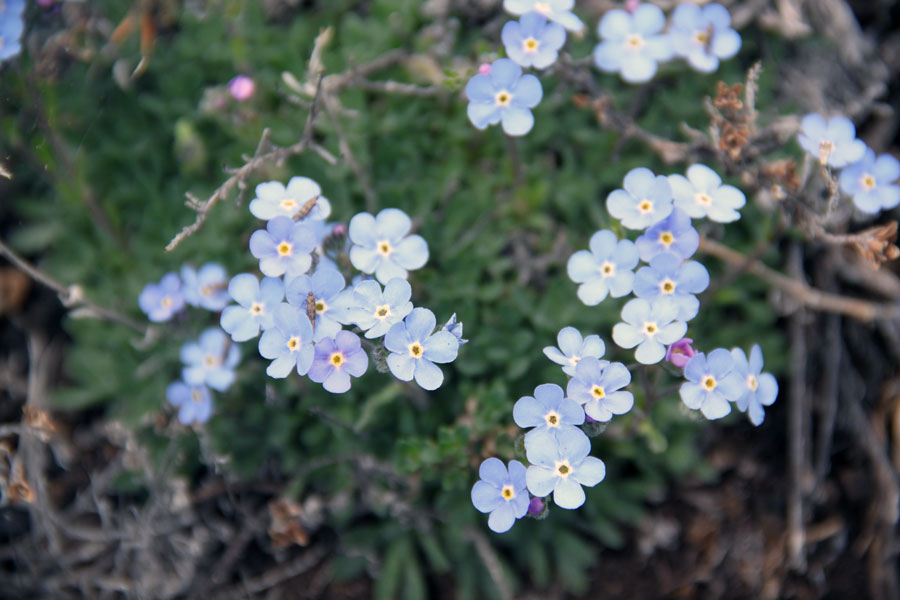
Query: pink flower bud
680 352
339 229
485 69
241 88
631 5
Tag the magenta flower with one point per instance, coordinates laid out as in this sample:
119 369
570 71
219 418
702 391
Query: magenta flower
680 352
241 88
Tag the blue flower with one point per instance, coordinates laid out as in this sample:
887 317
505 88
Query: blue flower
255 307
414 349
532 41
381 246
669 279
194 402
210 360
330 300
711 383
761 389
503 95
455 328
606 269
336 359
560 464
273 199
701 194
833 143
162 300
375 311
558 11
703 35
283 247
673 234
645 201
548 411
206 288
871 182
288 343
650 327
573 348
11 27
597 386
632 43
501 492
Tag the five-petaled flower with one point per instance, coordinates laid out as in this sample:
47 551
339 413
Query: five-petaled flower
289 343
322 293
210 360
607 269
560 464
503 96
871 182
375 310
273 199
632 43
162 300
206 287
645 201
649 327
194 402
701 194
381 246
597 385
501 491
283 247
761 388
669 279
711 383
336 359
532 41
414 349
573 348
673 234
703 35
832 143
548 411
255 306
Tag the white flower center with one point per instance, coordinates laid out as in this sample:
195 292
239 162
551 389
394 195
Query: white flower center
382 312
552 419
563 468
598 392
321 307
867 182
709 383
415 350
752 382
666 238
508 492
607 269
293 344
284 249
289 204
650 329
667 286
645 207
502 98
530 45
702 199
336 359
543 8
634 42
257 308
384 248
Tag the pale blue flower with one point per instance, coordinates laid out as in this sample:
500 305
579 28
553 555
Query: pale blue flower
375 311
560 464
504 95
210 360
11 27
761 389
832 143
532 41
548 411
711 383
329 299
558 11
162 300
607 269
669 279
381 246
414 349
645 201
206 288
703 35
573 348
501 492
194 402
650 327
701 194
871 182
336 359
273 199
255 307
288 343
283 247
632 43
455 328
597 386
673 234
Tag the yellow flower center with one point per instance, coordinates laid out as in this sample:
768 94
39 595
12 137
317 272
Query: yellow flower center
196 396
166 302
650 329
709 382
667 286
608 269
543 8
415 349
703 199
563 469
337 358
503 98
293 343
573 360
598 392
289 204
284 248
530 45
256 308
634 42
383 312
701 37
826 147
210 361
666 238
508 492
321 307
645 207
752 383
552 419
384 248
867 182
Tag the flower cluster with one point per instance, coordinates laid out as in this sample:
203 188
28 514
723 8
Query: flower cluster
870 180
203 288
12 25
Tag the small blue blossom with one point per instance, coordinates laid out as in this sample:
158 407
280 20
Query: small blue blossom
210 360
548 411
573 348
532 41
503 96
11 27
381 246
607 269
560 464
414 349
701 194
871 182
255 307
336 359
162 300
375 311
194 402
455 328
703 35
645 201
832 143
283 247
650 327
288 343
273 199
597 386
673 234
711 383
206 288
632 43
761 389
501 492
329 298
558 11
670 279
